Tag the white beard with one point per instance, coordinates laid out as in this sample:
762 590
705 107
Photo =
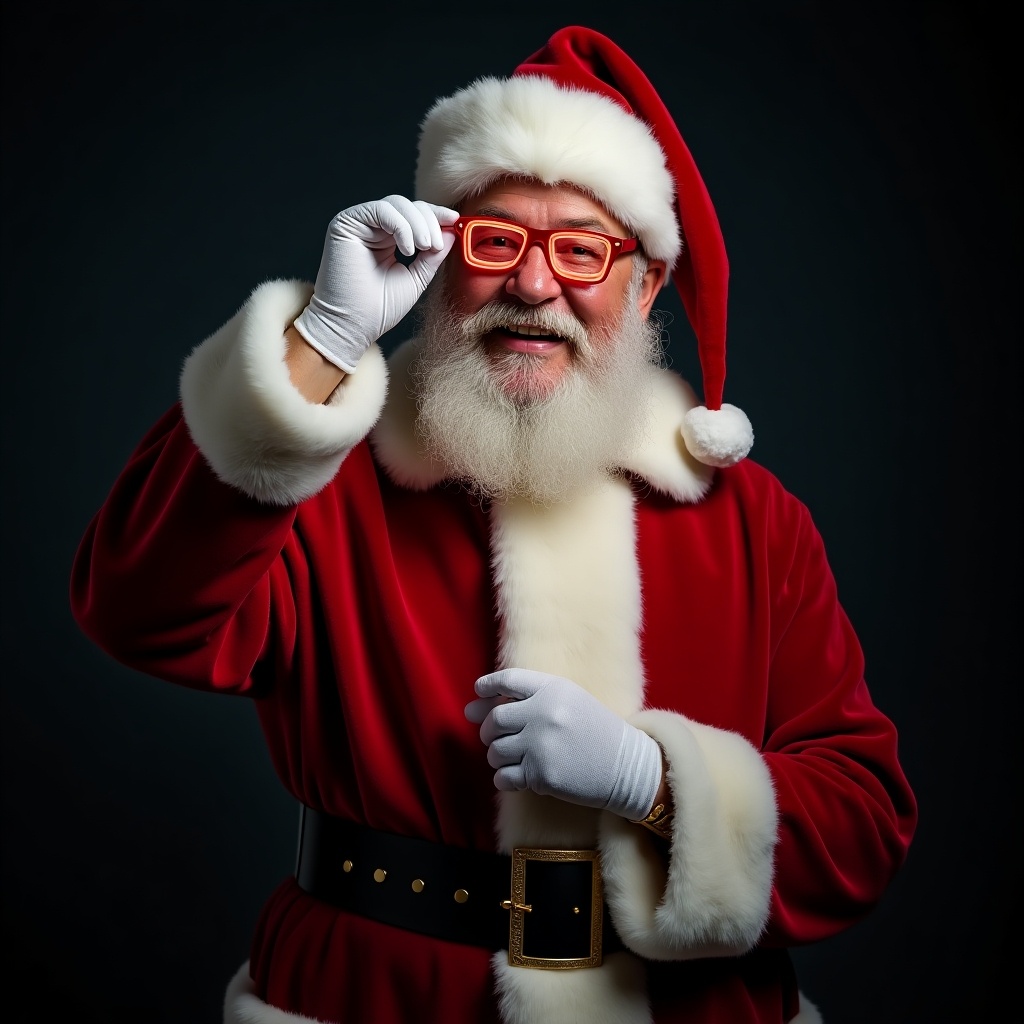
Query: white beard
500 429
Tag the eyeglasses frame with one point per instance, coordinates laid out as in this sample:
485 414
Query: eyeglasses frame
544 237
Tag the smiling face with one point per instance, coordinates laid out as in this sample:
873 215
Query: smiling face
525 385
534 326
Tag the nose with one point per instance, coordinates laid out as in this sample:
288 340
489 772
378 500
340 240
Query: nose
532 281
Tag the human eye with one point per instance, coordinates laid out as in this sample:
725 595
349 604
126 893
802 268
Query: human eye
581 249
493 244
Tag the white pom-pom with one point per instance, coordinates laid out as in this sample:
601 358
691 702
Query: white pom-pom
719 437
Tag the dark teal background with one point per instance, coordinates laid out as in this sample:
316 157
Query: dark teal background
160 160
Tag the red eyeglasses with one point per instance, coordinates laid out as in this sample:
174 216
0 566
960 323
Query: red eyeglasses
576 256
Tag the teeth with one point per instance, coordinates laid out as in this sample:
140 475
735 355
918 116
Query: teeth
528 332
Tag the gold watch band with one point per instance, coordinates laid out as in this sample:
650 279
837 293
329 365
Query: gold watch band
659 821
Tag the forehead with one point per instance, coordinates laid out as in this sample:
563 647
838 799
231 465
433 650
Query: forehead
542 206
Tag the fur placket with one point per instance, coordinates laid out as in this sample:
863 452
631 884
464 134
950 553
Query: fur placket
568 595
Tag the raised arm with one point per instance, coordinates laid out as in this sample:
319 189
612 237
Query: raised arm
176 572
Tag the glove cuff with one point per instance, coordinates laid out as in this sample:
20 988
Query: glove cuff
315 324
638 775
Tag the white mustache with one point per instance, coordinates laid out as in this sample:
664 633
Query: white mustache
496 315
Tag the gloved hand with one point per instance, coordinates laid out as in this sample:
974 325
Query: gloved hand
362 289
556 739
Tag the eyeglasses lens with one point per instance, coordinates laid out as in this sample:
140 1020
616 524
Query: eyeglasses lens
495 245
580 255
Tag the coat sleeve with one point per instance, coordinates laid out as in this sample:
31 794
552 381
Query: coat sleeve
186 571
783 842
847 813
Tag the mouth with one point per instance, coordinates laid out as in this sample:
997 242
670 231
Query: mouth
525 338
526 331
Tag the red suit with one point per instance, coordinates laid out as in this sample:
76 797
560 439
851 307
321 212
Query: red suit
262 546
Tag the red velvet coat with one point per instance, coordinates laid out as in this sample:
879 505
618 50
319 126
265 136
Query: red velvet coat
358 614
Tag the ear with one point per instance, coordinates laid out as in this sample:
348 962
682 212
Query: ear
654 280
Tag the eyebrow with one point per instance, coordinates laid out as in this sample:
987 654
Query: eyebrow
585 223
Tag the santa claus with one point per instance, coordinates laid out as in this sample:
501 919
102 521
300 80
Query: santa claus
559 679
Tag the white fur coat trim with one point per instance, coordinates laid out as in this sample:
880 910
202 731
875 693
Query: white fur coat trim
243 1006
714 898
568 590
568 595
661 458
257 432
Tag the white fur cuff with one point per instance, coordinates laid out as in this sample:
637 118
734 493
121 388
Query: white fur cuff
257 432
714 898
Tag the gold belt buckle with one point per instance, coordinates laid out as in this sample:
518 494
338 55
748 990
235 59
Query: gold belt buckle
518 907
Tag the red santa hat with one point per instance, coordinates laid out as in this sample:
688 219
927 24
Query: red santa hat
580 111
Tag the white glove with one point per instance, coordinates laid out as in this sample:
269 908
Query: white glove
556 739
362 289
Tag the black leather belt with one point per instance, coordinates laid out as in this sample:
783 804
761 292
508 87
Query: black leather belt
544 906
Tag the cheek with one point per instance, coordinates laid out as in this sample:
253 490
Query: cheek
470 292
600 306
592 309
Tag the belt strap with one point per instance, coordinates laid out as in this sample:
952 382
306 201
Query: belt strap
450 892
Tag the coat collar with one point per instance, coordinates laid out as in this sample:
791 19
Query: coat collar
661 459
